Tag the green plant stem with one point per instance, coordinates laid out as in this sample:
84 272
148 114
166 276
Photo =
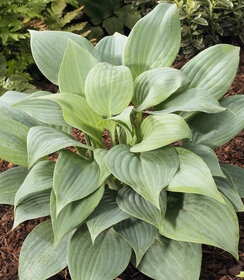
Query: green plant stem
88 142
113 136
138 126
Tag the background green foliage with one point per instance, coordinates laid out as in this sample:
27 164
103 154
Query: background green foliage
16 17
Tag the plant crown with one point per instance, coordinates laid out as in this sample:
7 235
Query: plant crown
156 192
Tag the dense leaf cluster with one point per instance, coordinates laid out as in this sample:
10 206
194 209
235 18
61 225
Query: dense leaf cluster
158 192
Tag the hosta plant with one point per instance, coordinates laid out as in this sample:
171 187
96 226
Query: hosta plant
157 192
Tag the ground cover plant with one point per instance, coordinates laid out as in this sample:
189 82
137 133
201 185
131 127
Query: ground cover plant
158 192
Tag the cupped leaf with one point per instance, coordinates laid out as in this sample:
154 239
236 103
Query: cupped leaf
75 66
34 206
193 176
42 141
191 100
156 85
105 215
237 175
169 260
208 156
79 210
99 156
78 114
105 259
43 110
154 41
135 205
74 178
10 181
147 173
159 131
139 234
215 130
213 69
227 187
109 88
13 136
111 48
201 219
39 258
48 48
11 97
40 178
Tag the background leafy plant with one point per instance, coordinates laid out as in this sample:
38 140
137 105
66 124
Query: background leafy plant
16 16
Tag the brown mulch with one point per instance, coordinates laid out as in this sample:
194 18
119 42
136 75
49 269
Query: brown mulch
217 264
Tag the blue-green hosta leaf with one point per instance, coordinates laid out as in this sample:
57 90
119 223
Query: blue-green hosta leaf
10 181
105 215
213 69
135 205
156 85
106 259
48 48
227 187
191 100
237 175
111 48
42 141
74 178
194 176
201 219
215 130
34 206
147 173
159 131
13 136
109 88
11 97
154 41
43 110
208 156
40 178
75 66
139 234
39 258
99 156
78 114
73 214
169 260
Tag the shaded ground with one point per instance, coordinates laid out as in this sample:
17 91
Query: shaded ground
217 264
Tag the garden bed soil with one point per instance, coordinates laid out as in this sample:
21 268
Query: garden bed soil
217 264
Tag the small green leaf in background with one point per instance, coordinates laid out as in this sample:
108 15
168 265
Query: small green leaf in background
106 259
109 88
154 86
241 274
154 41
39 258
111 48
75 66
159 131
